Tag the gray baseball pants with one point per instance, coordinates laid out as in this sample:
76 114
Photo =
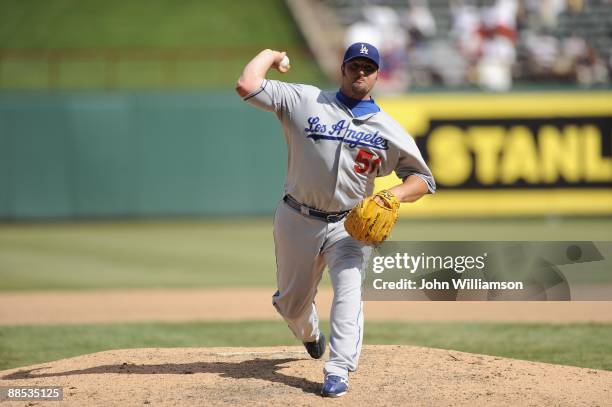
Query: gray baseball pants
304 246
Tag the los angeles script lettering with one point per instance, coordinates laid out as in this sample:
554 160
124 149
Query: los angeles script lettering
343 128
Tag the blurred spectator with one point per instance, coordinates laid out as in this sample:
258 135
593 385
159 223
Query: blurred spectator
543 52
549 11
495 64
571 59
465 29
420 27
488 46
572 50
448 65
577 6
381 27
503 16
363 31
418 20
590 68
497 52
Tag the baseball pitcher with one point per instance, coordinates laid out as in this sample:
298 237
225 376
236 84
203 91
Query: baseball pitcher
338 143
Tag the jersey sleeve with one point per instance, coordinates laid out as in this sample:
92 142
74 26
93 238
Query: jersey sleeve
411 162
276 96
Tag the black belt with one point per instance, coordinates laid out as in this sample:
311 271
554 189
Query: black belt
329 217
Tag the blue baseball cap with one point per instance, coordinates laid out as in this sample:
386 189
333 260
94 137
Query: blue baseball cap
362 50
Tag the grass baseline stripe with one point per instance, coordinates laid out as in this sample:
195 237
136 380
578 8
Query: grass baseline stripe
585 345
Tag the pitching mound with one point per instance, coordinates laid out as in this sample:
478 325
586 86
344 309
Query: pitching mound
388 375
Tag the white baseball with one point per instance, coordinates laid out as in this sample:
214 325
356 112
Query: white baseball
284 63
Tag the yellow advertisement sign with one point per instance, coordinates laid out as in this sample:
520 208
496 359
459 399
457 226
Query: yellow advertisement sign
515 154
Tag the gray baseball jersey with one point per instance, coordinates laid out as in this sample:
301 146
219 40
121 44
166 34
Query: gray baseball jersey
333 159
333 156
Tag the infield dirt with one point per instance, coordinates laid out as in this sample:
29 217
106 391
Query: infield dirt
388 375
97 306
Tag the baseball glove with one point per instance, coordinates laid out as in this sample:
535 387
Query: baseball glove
370 221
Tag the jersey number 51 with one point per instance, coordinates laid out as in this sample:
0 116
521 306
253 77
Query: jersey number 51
365 162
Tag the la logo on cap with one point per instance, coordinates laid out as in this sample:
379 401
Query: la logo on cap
363 50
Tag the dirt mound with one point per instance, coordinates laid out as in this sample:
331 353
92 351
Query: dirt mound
388 375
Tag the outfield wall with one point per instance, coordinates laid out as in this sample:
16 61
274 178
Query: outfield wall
181 154
137 154
511 154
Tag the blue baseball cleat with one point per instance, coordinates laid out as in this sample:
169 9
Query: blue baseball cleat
334 386
316 349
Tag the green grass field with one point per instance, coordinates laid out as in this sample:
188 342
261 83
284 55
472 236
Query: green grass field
236 30
239 252
52 24
585 345
209 253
